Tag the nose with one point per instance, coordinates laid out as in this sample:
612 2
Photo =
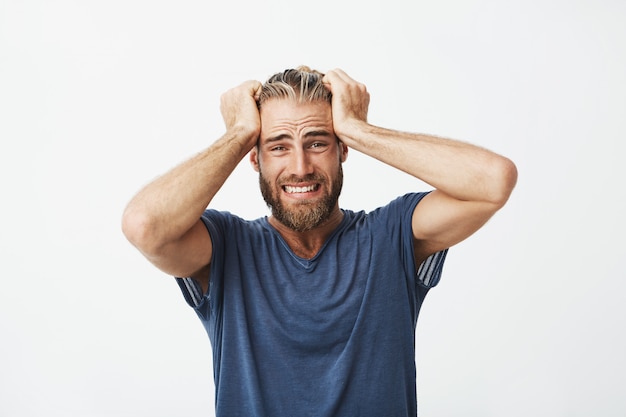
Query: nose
301 164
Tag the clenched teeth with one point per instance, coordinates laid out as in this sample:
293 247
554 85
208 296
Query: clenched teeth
289 189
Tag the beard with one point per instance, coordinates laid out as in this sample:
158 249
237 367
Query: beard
304 215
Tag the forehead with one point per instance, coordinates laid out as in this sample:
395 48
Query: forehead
286 114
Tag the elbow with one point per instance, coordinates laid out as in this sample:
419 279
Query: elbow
139 230
504 178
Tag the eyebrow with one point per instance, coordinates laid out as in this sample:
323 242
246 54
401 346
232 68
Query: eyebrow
277 138
314 133
309 134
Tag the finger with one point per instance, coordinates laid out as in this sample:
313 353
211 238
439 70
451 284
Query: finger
343 76
328 80
335 81
255 90
251 86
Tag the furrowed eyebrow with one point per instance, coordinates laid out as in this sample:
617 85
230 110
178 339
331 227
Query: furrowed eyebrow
314 133
285 136
278 138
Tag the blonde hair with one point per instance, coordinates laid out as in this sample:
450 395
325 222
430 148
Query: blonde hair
301 85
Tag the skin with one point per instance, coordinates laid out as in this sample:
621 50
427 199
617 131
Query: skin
298 148
471 183
303 145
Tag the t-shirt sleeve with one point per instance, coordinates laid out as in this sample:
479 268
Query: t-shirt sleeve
191 289
429 272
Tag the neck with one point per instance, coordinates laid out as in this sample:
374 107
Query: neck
307 244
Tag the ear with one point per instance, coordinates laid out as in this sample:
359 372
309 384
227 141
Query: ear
344 151
254 158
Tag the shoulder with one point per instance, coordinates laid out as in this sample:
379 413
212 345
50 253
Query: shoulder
396 214
401 208
408 201
220 216
227 221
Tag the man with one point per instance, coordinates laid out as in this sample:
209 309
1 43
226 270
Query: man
312 310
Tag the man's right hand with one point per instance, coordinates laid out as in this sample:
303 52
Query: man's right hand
240 112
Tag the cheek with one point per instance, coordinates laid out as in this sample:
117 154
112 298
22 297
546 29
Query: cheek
270 169
266 173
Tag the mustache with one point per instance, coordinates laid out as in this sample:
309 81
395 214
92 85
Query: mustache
294 179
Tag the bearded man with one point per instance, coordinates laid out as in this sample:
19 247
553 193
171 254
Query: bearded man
312 310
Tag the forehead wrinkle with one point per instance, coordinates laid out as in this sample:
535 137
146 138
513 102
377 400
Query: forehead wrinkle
285 119
307 127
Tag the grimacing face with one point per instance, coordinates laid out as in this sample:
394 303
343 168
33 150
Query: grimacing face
299 160
305 215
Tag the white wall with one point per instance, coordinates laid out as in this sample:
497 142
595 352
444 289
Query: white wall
97 98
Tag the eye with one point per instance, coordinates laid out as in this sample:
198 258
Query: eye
317 145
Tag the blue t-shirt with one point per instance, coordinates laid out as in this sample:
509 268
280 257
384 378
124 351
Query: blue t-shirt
333 335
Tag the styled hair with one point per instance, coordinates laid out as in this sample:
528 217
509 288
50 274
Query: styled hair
301 85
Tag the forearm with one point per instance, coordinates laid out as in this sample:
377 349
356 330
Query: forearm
461 170
168 207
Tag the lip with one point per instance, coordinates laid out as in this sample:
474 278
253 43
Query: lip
299 191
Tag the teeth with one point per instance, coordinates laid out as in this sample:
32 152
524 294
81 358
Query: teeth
292 190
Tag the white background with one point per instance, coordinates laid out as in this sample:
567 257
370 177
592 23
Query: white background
99 97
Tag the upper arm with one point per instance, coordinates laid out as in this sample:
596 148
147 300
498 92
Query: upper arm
440 221
188 256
